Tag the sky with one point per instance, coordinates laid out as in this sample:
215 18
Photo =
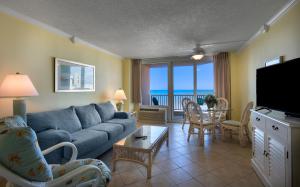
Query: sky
183 77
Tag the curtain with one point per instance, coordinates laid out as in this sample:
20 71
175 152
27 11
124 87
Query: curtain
222 77
145 81
136 81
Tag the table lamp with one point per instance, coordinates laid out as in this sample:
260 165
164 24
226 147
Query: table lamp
18 86
120 97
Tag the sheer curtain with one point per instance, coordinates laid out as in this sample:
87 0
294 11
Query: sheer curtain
222 77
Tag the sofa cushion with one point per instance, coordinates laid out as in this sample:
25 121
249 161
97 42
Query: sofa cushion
106 110
126 123
21 154
86 141
52 137
88 115
65 119
112 129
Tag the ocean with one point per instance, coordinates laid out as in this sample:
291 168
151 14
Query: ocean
181 92
161 96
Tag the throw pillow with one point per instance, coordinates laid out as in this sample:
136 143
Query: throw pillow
65 119
21 154
88 115
106 110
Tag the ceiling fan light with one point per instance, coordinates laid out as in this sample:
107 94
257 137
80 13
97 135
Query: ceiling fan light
197 56
198 53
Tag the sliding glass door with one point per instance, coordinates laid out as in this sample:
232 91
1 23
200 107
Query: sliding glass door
166 84
183 86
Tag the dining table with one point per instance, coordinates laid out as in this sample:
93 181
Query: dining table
211 114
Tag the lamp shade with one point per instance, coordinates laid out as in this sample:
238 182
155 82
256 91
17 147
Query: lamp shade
120 95
17 85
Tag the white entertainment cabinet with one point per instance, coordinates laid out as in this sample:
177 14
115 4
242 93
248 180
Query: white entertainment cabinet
276 148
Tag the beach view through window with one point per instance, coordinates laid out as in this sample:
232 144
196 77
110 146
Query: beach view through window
183 76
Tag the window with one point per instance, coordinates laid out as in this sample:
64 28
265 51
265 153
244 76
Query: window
183 80
205 79
159 84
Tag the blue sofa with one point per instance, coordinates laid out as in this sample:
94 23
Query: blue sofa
93 128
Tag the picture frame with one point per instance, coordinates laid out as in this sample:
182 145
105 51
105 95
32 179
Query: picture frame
274 61
73 76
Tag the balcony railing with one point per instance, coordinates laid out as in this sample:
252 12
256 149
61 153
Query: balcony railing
163 100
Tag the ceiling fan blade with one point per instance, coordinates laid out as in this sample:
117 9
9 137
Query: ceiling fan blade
222 43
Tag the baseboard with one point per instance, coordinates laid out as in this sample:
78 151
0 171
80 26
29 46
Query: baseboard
259 174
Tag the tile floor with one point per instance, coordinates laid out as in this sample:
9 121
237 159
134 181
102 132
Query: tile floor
187 164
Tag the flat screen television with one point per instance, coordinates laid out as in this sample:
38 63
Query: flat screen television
278 87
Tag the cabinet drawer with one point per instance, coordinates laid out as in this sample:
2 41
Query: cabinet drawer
258 121
277 129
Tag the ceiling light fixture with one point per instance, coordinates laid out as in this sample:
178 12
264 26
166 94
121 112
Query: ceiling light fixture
198 53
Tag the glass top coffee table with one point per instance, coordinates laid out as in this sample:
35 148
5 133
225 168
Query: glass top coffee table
141 146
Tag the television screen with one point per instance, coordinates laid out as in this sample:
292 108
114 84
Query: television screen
278 87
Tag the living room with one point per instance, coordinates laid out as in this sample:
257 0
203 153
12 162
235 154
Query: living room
128 51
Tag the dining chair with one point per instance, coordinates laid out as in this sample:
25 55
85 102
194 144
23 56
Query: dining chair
222 106
195 117
184 103
155 101
241 127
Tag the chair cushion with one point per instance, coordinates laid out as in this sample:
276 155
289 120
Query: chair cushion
86 141
21 154
60 170
231 123
126 123
65 119
112 129
88 115
15 121
106 110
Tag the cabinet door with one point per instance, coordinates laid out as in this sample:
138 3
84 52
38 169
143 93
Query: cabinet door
277 160
258 148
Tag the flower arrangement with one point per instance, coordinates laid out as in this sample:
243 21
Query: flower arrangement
210 100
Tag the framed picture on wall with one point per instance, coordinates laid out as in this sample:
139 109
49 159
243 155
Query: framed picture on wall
274 61
73 76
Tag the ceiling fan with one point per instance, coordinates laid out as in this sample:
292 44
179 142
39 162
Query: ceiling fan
198 52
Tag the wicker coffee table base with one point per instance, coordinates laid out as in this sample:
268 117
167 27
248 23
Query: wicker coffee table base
139 155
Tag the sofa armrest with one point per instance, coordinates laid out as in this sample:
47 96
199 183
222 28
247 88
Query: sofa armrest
50 138
122 115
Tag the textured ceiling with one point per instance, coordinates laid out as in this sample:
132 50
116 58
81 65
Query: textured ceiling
153 28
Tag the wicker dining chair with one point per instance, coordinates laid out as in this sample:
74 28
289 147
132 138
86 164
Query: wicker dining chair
184 103
241 127
223 106
195 117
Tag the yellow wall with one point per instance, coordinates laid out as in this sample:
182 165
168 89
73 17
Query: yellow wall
283 39
29 49
128 105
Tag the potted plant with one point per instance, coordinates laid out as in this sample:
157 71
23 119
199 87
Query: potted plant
210 100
